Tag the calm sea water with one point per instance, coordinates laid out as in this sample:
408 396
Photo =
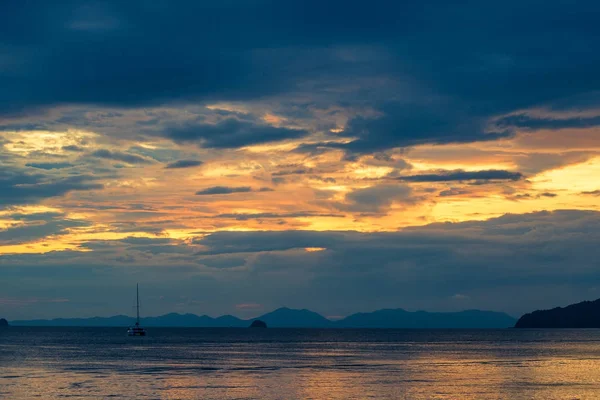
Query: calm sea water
51 363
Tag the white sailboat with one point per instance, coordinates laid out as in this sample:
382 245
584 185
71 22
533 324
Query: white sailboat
137 330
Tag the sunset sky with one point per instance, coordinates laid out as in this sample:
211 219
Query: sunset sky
237 156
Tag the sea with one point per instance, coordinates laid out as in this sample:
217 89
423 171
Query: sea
197 363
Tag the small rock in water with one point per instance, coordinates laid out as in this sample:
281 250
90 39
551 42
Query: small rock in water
258 324
3 323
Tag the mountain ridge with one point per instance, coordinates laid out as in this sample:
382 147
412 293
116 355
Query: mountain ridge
585 314
300 318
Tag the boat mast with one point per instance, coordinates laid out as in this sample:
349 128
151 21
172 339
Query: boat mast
137 292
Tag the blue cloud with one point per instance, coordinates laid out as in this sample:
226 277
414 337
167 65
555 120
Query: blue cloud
49 165
418 267
230 133
120 156
529 122
448 68
183 164
223 190
450 176
18 187
38 226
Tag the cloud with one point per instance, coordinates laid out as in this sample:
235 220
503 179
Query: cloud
49 165
377 198
299 171
120 156
453 192
249 306
246 216
18 187
20 302
511 230
145 240
73 148
424 266
404 125
184 164
592 193
323 179
459 296
418 73
458 175
535 123
229 133
416 268
353 91
434 261
265 241
38 226
223 190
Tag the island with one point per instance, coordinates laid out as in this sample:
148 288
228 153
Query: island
580 315
3 323
258 324
284 317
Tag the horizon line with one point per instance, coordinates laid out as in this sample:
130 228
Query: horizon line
263 314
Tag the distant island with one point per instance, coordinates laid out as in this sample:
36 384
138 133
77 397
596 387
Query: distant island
258 324
581 315
294 318
3 323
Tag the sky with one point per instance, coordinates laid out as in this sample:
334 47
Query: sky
237 156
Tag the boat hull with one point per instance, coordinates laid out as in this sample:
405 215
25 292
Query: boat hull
136 332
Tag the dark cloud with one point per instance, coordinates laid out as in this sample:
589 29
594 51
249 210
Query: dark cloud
592 193
430 72
416 268
145 240
50 165
323 179
223 262
223 190
299 171
38 226
184 164
18 187
266 241
138 249
404 125
73 148
459 175
529 122
453 192
246 217
423 266
120 156
518 228
377 198
229 133
534 163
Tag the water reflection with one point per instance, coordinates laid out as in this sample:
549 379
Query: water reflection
306 364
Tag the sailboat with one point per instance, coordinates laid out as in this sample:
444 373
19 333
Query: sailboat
137 330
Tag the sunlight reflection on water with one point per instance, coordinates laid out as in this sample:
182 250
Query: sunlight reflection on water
51 363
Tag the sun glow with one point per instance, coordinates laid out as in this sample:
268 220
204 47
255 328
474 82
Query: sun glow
573 178
314 249
26 142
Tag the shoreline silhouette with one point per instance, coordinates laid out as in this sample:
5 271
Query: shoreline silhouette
295 318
